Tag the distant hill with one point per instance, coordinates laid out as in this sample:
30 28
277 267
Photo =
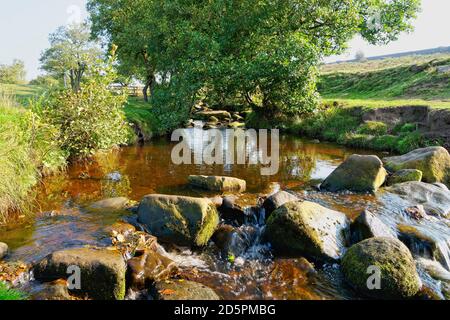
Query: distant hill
413 75
403 54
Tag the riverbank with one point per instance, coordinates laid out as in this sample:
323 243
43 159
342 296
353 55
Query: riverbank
397 129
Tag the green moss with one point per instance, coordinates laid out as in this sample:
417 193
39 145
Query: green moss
375 128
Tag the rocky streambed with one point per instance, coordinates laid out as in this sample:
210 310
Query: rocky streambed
313 231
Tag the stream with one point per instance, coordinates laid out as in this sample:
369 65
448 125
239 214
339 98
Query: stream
62 222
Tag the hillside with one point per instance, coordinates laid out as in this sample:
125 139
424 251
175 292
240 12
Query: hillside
414 79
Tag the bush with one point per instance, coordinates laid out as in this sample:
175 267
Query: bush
404 128
45 81
90 119
373 128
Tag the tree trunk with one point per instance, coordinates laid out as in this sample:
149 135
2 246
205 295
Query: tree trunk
148 85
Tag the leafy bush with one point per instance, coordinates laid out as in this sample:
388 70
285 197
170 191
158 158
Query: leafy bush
90 119
404 128
375 128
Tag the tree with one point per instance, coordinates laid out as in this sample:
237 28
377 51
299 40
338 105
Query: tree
360 56
14 73
71 52
259 53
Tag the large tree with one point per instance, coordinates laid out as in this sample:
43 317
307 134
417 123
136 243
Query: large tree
71 52
262 53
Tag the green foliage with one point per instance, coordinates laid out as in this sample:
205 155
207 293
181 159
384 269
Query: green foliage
10 294
261 54
90 119
14 73
70 54
404 128
373 128
45 81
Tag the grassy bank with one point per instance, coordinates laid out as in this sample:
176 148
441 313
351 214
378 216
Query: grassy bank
410 80
344 125
27 150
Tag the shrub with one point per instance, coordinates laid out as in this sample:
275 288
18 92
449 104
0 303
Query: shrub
90 119
404 128
373 128
45 81
385 142
357 140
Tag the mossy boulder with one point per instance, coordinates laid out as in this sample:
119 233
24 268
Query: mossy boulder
435 200
398 274
276 200
102 271
405 175
359 173
183 290
218 183
184 221
206 114
307 229
111 204
368 225
434 162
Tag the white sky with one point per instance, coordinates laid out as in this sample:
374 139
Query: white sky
432 30
25 25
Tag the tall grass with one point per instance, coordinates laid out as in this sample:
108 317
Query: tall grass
27 150
10 294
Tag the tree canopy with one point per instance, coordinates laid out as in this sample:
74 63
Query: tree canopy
71 52
259 53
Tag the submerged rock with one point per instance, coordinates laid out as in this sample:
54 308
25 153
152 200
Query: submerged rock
358 173
56 290
217 183
119 203
148 268
179 220
3 250
231 240
368 225
276 200
398 275
435 200
306 228
183 290
405 175
434 162
102 271
423 244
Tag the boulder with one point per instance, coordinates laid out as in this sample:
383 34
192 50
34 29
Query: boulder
114 204
236 125
180 220
398 275
306 228
435 200
217 183
183 290
276 200
3 250
219 114
148 268
434 162
404 175
357 173
368 225
102 271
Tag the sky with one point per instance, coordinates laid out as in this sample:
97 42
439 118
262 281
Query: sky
26 24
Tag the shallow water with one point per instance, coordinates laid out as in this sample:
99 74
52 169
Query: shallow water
64 222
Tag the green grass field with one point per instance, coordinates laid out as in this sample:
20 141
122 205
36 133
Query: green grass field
410 80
